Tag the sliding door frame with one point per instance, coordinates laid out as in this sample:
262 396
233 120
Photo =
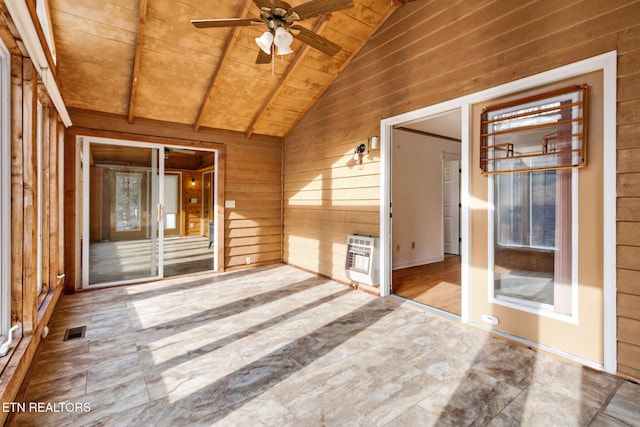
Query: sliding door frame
83 140
86 184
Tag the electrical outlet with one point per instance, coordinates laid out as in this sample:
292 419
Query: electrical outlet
191 225
248 260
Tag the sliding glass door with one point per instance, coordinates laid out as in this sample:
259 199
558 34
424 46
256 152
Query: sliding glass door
122 235
147 211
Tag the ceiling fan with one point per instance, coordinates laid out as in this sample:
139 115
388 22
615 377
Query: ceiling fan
280 18
169 150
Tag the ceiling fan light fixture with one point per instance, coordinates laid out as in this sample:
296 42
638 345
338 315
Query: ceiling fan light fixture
283 41
265 41
285 50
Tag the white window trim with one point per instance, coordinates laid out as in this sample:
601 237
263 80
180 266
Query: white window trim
43 11
39 193
5 190
607 63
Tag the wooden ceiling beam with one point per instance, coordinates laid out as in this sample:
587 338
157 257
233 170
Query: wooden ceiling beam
344 65
322 22
215 79
136 62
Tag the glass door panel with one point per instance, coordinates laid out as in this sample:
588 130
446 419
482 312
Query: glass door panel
123 214
191 247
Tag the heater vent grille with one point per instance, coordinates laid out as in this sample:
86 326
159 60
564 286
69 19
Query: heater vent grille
73 333
362 259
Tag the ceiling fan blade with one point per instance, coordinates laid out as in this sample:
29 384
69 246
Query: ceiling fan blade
182 150
268 4
230 22
263 58
277 7
314 40
316 8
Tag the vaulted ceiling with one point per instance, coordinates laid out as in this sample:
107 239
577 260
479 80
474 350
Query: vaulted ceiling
144 59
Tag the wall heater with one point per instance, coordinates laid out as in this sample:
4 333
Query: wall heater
362 263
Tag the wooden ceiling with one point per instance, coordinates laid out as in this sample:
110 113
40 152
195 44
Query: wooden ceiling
144 59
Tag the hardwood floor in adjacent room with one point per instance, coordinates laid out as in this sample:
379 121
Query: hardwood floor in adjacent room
436 284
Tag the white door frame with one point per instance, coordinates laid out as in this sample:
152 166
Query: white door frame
386 130
607 63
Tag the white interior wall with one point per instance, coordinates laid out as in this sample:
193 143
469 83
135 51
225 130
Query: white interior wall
417 198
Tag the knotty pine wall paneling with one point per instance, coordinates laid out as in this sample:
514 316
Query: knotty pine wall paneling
429 52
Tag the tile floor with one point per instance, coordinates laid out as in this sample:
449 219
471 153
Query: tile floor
279 346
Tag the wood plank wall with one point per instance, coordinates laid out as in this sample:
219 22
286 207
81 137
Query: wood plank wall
29 307
432 51
628 206
254 227
252 178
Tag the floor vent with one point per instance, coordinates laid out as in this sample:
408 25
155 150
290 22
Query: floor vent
73 333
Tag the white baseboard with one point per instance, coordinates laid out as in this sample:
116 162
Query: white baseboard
414 263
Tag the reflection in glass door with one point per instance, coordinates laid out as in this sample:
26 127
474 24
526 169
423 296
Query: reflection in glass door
171 204
208 208
188 249
123 215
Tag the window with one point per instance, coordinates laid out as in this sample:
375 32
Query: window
5 192
526 209
128 201
532 224
542 132
40 194
44 17
530 147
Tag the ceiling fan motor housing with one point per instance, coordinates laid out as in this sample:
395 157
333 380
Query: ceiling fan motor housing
281 15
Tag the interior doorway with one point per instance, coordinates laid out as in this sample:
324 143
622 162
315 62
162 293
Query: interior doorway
142 211
451 204
425 196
